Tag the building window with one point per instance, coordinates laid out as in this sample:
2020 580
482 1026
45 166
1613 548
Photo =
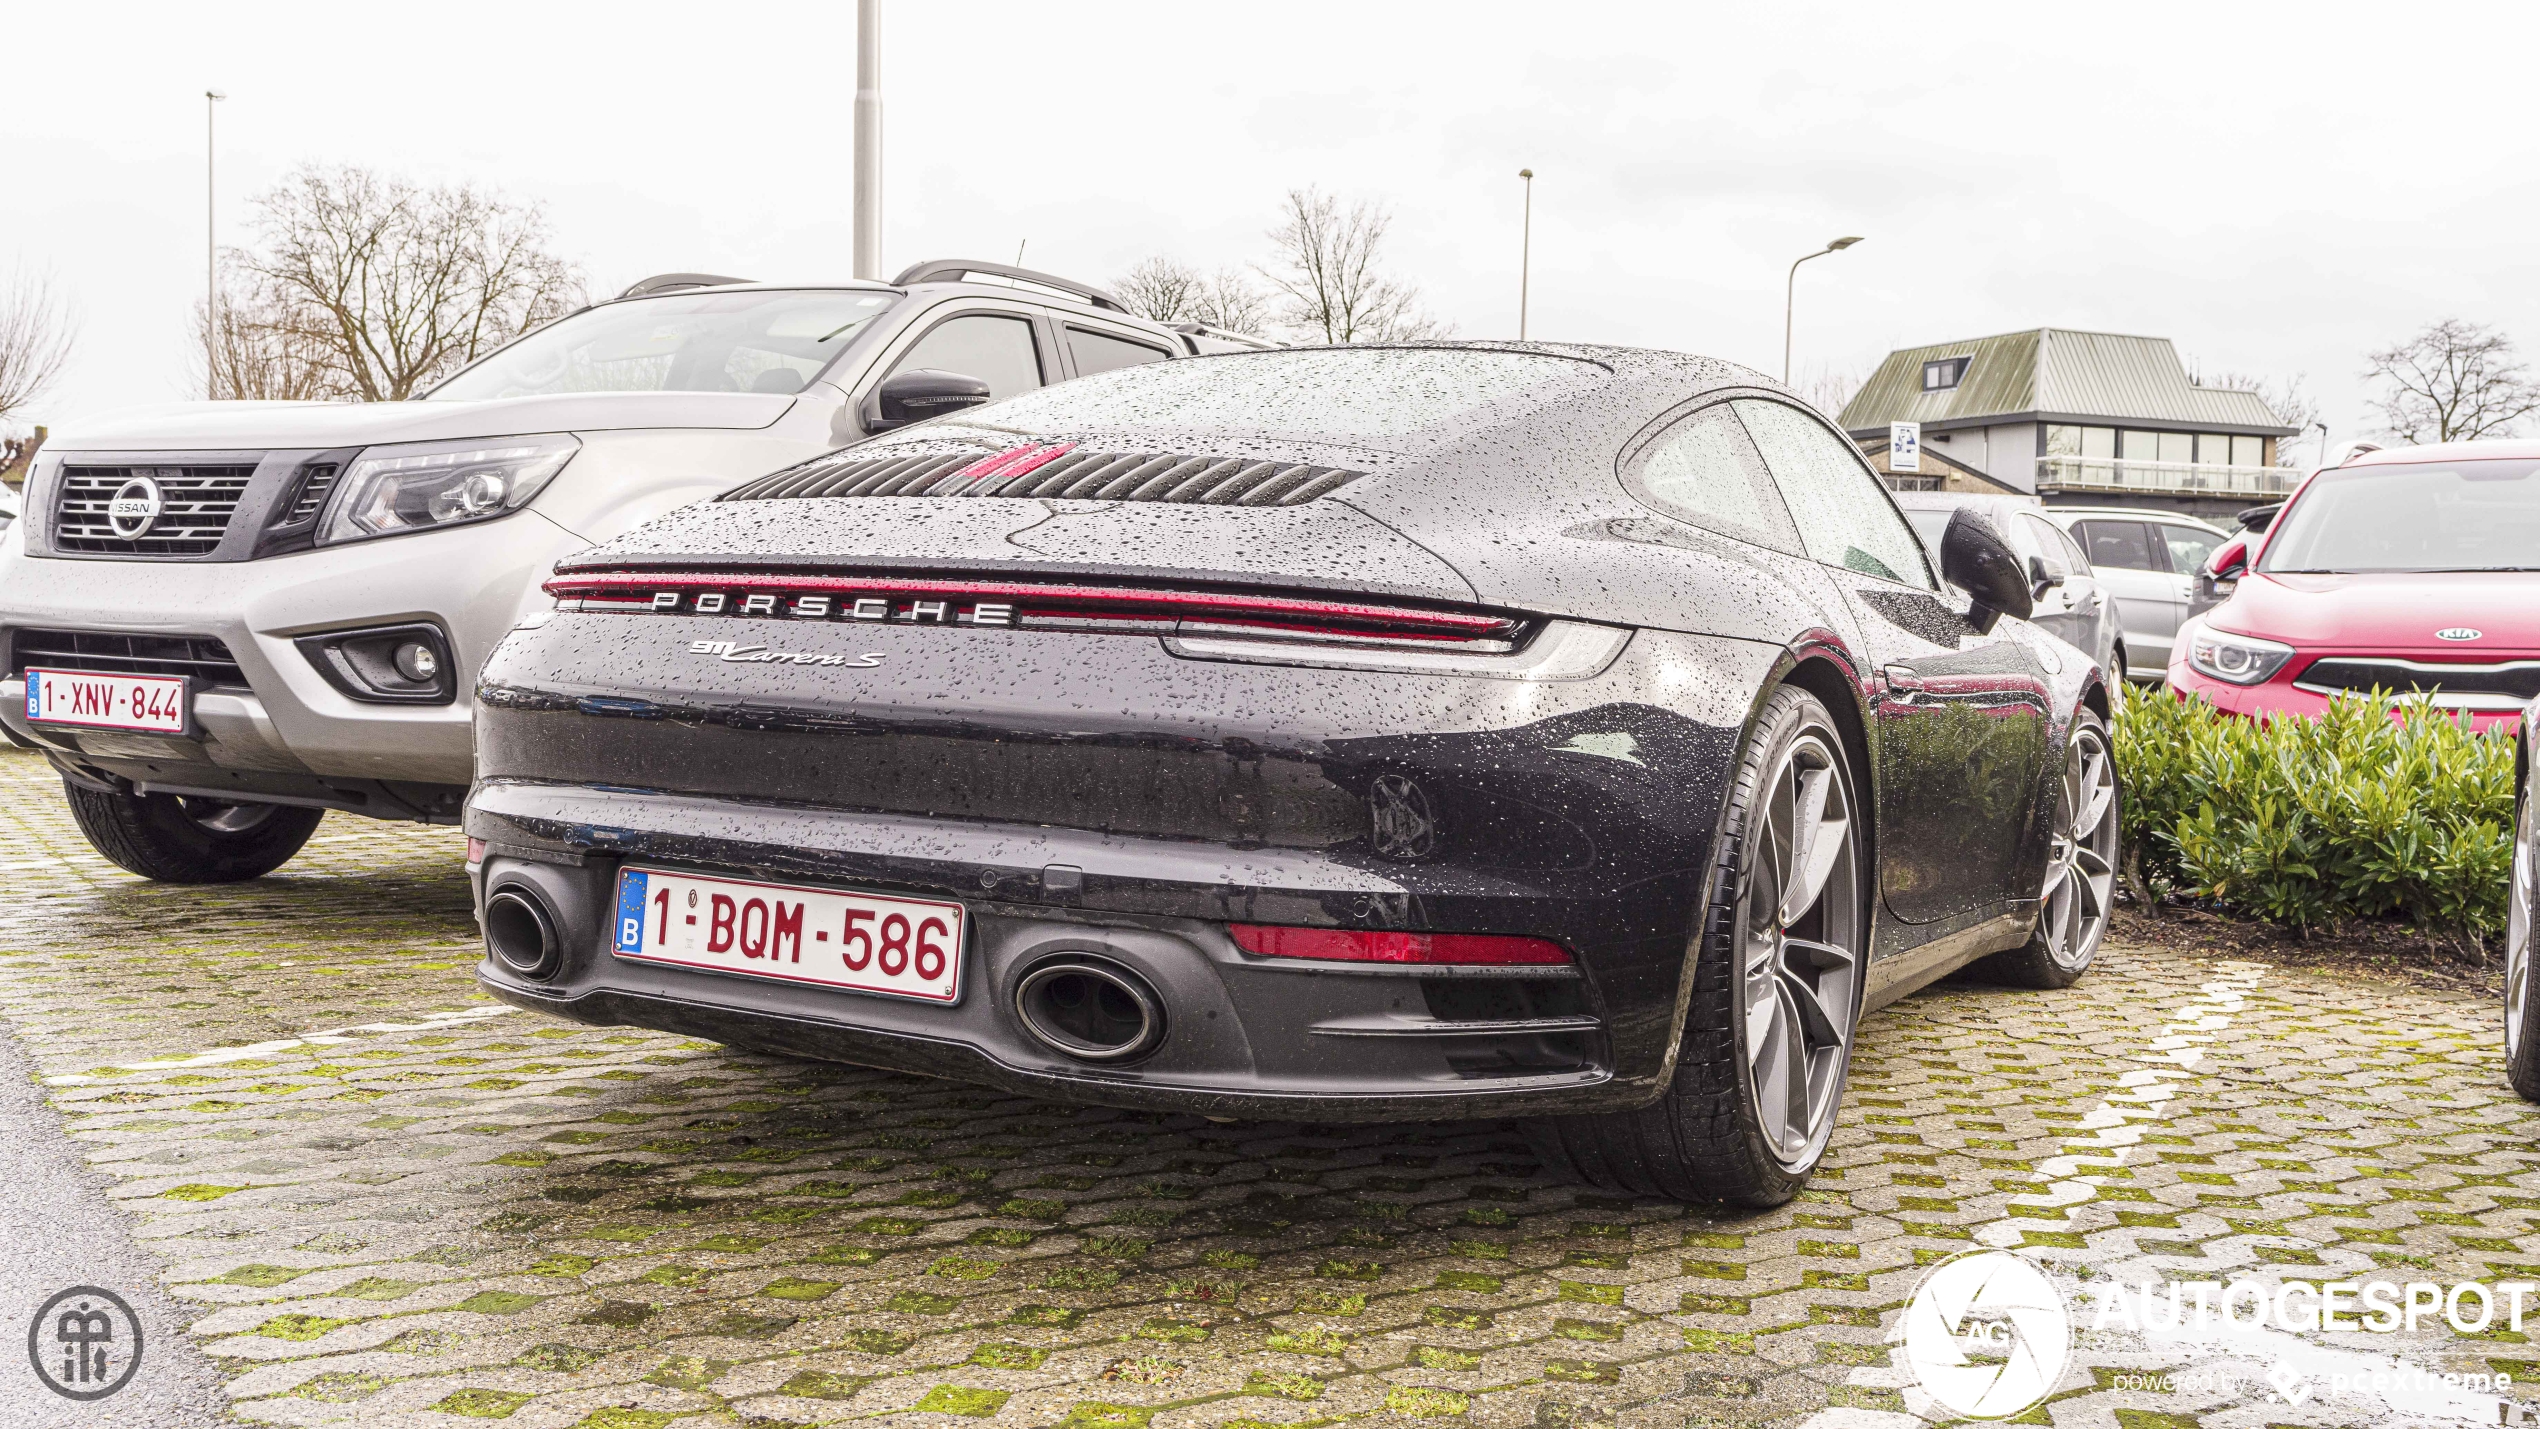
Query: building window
2248 451
2098 442
1944 373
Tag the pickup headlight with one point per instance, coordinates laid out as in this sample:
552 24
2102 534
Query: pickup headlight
2235 659
423 485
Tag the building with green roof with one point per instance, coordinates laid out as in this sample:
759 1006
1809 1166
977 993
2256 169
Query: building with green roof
2078 417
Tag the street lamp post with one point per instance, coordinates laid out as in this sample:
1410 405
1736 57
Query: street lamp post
211 263
1790 289
1525 251
868 139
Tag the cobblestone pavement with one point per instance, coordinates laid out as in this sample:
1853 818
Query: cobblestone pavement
438 1211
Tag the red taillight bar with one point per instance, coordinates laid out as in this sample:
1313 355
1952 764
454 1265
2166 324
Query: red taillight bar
1036 597
1351 945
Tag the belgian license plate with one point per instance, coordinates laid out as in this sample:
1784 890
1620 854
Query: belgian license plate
154 703
870 942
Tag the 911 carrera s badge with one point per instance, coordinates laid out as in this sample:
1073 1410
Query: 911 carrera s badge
732 654
2457 632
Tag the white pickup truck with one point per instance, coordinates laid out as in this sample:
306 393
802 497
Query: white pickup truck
219 620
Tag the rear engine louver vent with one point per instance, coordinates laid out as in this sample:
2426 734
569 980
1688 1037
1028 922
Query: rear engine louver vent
1057 470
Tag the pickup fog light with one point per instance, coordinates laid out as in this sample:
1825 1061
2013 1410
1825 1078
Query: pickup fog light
389 665
2236 659
419 486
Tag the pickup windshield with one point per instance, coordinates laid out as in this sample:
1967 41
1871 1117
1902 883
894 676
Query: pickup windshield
2420 516
764 340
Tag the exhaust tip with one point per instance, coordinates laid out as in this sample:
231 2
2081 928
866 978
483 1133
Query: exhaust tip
1090 1009
521 933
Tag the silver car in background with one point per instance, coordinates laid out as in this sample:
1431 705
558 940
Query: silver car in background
2148 560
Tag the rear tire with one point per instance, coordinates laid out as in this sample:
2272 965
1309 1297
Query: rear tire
1781 949
2522 1010
2081 868
179 839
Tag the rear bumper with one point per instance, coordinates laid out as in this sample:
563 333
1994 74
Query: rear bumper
1247 1036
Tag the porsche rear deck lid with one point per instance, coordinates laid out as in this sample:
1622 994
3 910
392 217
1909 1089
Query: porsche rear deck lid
1055 469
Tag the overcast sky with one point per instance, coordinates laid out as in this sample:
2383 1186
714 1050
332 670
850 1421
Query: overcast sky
2276 188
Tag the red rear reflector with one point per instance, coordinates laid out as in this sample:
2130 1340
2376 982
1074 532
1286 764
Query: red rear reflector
475 852
1352 946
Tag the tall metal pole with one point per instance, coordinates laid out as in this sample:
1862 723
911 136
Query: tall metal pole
868 139
1791 288
1525 252
211 264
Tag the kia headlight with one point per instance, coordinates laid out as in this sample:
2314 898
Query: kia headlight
421 486
2235 659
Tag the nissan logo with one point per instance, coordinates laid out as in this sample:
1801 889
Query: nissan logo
134 509
2457 632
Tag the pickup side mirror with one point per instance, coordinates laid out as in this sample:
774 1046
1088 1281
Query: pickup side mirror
1975 559
920 393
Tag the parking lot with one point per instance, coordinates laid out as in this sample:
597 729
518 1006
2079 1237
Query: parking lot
442 1210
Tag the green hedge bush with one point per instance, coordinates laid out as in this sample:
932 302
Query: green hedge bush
2309 822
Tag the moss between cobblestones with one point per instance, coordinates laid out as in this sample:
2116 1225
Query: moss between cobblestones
758 1176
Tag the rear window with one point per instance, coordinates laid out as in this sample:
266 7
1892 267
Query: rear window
1325 394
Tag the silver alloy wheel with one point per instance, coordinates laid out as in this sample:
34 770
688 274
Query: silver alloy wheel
2081 874
2518 930
1800 919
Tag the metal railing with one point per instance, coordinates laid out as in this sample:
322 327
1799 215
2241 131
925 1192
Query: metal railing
2080 473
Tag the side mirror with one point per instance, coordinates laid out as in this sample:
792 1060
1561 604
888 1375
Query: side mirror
2219 577
1975 559
920 393
2040 579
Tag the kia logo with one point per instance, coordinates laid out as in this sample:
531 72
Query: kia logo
2457 632
134 509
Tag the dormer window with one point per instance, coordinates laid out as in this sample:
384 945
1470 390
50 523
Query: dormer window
1944 373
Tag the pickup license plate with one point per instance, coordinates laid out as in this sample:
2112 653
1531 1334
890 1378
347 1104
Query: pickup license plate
153 703
869 942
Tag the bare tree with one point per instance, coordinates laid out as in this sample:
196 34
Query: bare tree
258 355
1230 299
1327 270
386 286
1160 288
2454 382
35 339
2293 406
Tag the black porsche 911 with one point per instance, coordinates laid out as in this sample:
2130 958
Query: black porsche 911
1561 733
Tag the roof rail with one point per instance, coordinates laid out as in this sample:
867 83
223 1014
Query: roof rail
956 270
673 282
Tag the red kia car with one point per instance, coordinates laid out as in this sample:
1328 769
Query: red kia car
2414 570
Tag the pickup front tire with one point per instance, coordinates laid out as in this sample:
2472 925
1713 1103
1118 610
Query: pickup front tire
175 838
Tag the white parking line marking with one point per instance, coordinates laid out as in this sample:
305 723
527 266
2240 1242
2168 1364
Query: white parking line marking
430 1021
